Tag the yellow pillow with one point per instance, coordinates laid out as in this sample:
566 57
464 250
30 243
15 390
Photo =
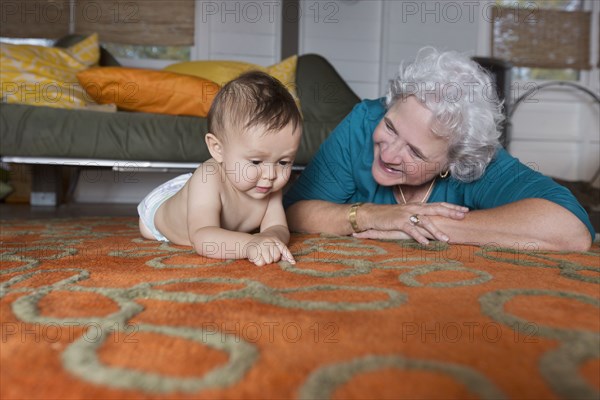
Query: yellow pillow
162 92
220 72
224 71
285 71
46 76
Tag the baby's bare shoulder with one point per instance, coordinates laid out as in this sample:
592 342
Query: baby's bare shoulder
207 173
206 184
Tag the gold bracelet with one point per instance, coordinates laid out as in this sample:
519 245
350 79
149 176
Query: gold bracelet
352 216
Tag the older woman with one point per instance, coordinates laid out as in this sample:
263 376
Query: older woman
425 163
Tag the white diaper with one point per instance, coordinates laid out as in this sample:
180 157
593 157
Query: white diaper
148 207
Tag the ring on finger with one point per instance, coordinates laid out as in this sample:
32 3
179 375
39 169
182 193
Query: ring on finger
414 219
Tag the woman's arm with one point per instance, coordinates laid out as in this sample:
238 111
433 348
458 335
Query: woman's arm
314 216
529 223
318 216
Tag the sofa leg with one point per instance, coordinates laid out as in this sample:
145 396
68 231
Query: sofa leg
46 185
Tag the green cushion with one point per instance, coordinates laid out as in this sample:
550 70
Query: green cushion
53 132
324 95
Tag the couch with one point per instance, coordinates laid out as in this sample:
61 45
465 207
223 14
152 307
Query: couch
51 137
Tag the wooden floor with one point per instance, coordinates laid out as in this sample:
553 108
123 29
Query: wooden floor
71 210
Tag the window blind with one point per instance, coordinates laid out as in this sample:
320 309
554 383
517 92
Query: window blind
142 22
542 38
44 19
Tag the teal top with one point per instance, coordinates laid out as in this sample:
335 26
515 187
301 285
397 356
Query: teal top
340 172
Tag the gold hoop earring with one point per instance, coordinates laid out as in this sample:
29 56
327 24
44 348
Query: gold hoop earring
444 174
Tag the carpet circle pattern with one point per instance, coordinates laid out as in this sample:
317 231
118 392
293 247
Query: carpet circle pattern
91 310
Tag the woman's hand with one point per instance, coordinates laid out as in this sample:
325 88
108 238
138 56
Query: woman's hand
410 221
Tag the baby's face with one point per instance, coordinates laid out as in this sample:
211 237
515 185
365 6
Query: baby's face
259 163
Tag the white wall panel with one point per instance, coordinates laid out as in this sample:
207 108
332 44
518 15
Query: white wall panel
239 30
590 162
589 117
559 160
249 45
409 26
348 35
559 118
546 121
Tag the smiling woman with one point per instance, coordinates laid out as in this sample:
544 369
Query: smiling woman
426 163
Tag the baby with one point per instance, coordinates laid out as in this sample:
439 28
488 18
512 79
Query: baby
230 207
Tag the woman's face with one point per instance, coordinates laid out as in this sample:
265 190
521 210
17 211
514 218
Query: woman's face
406 151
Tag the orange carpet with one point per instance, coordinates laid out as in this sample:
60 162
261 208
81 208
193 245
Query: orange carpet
89 310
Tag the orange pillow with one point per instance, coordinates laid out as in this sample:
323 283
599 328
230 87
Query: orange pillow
144 90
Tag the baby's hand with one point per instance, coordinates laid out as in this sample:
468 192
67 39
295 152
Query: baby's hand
263 250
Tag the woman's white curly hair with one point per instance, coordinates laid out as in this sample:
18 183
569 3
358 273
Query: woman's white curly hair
463 100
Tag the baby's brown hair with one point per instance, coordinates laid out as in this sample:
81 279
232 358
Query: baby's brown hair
254 98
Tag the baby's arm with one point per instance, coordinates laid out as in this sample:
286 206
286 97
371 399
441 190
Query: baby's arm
274 232
204 221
